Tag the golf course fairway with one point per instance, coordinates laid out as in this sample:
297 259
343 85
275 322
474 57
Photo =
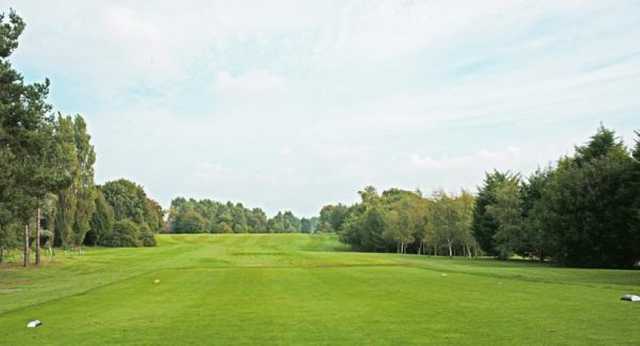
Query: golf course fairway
308 289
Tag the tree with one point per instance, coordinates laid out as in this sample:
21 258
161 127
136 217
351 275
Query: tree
188 221
30 164
484 225
76 203
145 236
410 209
128 199
507 212
444 220
332 217
589 211
153 215
600 144
534 241
636 149
399 226
102 220
126 233
465 204
257 221
365 223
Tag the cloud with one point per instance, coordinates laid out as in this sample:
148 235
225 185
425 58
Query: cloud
483 158
290 104
255 83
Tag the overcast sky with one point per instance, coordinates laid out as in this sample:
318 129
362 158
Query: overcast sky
296 104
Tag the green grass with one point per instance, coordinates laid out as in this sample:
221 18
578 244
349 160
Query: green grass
301 289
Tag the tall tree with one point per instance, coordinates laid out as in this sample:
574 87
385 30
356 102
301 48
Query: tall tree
636 149
590 218
507 211
29 159
102 220
534 241
76 203
465 204
484 224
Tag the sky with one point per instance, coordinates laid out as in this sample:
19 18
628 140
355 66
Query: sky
291 105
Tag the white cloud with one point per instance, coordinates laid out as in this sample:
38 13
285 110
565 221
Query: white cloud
251 83
484 159
291 104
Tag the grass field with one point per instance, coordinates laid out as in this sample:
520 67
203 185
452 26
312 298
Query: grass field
302 289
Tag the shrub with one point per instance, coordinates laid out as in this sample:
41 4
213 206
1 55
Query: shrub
126 233
146 236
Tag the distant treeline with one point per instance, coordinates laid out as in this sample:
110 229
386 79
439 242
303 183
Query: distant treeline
47 191
405 221
208 216
583 211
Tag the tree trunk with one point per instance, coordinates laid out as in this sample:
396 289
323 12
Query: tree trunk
38 237
1 254
26 245
52 242
450 249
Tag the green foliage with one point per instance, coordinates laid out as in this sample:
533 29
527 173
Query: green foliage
76 203
448 223
636 149
485 225
589 214
102 221
533 240
332 217
127 198
284 223
126 233
208 216
130 201
29 160
508 214
405 221
146 236
584 212
189 221
309 225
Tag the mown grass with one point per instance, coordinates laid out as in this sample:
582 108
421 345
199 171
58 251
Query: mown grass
302 289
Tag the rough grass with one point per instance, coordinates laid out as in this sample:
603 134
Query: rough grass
301 289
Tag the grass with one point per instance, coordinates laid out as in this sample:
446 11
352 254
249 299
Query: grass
302 289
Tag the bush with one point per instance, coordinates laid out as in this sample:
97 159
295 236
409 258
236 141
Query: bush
126 233
146 236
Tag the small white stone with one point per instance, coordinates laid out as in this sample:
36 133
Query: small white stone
631 298
34 324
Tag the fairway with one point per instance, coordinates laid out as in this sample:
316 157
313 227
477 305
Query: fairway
306 289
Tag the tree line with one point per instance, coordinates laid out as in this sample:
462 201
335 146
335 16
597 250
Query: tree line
47 191
582 211
404 221
209 216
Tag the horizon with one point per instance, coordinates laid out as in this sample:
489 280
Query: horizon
298 105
